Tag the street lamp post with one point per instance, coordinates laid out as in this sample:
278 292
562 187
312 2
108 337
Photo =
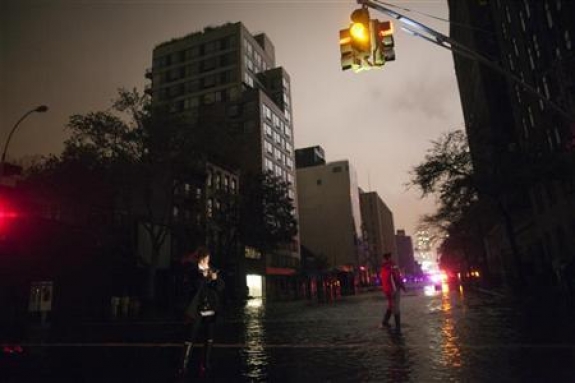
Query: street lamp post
39 109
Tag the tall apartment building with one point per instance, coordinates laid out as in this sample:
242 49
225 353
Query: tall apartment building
378 228
533 40
330 215
405 255
224 81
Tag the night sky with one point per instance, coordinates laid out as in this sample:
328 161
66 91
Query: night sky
73 55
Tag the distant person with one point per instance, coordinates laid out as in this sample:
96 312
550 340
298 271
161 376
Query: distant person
391 284
205 288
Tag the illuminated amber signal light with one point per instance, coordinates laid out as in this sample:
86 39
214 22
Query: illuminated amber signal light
359 31
345 40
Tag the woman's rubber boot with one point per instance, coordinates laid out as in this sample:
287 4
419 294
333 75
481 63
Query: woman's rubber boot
207 365
385 321
397 318
187 353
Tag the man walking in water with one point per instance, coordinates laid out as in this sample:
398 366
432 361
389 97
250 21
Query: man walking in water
391 283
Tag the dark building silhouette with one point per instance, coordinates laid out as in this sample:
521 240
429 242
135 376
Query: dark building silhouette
311 156
225 83
518 141
405 255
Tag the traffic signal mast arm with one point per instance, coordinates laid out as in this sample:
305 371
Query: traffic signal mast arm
417 29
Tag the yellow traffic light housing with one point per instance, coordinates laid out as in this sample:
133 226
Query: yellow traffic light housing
367 43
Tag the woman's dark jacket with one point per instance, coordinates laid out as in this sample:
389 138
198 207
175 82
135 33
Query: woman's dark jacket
203 292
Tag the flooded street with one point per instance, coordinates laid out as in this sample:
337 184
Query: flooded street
454 335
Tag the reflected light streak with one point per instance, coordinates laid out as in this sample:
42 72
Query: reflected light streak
450 348
254 355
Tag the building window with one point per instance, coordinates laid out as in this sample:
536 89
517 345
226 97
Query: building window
209 81
557 136
288 147
510 60
287 130
536 46
277 154
269 147
549 16
267 113
209 207
568 44
276 120
268 129
268 165
522 21
209 180
217 181
175 211
527 8
515 48
208 64
546 87
530 114
531 60
525 129
337 169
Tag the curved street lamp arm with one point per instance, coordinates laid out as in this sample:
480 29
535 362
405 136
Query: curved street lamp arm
41 109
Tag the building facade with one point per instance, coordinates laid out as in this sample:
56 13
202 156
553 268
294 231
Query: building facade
378 228
330 215
224 82
509 126
405 255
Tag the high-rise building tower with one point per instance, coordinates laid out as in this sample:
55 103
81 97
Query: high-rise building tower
510 128
224 81
379 229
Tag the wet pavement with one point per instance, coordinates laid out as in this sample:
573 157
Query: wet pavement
448 336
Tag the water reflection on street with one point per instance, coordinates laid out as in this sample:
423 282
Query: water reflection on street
254 354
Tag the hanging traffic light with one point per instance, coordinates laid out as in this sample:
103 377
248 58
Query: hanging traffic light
367 43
